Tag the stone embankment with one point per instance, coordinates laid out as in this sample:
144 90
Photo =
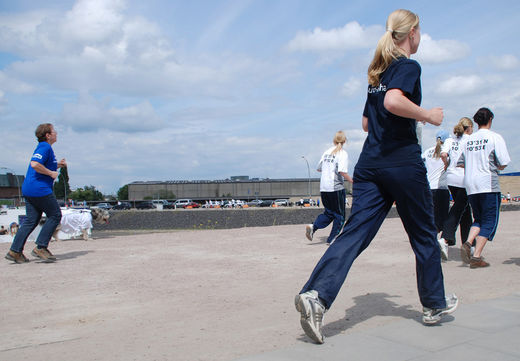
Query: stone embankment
220 218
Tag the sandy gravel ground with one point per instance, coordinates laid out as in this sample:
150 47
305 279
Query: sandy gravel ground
215 295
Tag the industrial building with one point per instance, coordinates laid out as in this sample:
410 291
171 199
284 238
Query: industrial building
237 188
10 187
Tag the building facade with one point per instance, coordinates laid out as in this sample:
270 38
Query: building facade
11 186
244 189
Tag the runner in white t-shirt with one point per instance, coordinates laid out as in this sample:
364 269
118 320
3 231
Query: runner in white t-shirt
460 211
333 166
484 155
436 174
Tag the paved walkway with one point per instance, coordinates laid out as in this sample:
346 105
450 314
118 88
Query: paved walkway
487 330
227 294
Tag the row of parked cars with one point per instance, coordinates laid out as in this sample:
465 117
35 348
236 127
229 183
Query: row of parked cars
153 204
188 203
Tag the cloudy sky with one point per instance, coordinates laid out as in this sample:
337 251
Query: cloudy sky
191 90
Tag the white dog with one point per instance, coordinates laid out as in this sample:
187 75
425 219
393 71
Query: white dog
79 221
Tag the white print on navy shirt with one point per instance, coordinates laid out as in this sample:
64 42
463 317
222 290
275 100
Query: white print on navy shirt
380 88
37 156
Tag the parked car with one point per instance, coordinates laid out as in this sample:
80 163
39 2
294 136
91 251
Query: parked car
123 205
266 203
165 203
282 202
305 201
254 203
192 205
181 203
104 205
145 205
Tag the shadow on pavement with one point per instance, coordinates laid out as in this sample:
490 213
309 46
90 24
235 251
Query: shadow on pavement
368 306
71 255
515 260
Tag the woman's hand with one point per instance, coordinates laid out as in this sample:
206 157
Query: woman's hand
435 116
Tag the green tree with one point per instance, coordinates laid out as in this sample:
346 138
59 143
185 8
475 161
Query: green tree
61 187
87 193
122 193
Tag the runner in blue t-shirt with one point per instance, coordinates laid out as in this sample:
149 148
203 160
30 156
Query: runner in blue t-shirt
37 189
389 170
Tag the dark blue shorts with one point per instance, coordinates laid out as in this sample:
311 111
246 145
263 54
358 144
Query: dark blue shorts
486 208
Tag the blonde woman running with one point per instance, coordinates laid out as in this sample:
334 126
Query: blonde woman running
437 178
389 169
333 166
460 211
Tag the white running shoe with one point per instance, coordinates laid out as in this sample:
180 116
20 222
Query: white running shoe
312 311
444 249
432 316
309 231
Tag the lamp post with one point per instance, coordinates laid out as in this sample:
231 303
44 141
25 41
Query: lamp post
17 182
309 171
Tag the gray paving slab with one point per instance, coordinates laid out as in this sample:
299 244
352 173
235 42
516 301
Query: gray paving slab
414 333
467 352
507 341
486 330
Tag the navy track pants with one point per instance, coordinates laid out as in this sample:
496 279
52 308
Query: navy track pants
334 204
374 192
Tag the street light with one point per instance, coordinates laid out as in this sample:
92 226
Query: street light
309 171
17 182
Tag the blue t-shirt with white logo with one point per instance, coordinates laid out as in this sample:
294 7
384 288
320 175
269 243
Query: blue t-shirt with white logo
392 140
37 184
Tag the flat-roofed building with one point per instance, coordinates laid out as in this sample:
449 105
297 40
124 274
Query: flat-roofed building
294 188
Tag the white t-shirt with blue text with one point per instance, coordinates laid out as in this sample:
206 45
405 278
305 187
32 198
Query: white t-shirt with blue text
483 153
452 146
435 168
330 165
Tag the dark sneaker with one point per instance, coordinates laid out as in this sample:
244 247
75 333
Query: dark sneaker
311 310
44 254
17 257
478 262
465 252
432 316
309 231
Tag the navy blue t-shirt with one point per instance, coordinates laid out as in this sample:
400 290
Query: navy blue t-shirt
392 140
37 184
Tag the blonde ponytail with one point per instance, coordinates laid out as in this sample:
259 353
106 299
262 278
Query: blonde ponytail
339 139
438 147
398 26
460 128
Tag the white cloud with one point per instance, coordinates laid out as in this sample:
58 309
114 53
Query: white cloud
352 87
441 51
98 48
351 36
10 84
459 85
505 62
89 114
